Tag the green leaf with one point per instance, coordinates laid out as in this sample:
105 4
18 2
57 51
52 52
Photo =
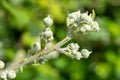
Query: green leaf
93 14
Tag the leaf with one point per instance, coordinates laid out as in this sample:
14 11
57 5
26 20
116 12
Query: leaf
93 14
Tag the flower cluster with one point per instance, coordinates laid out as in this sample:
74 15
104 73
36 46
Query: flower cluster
72 51
43 41
8 74
82 21
45 37
47 34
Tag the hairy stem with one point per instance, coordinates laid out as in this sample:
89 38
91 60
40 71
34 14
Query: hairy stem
25 61
64 52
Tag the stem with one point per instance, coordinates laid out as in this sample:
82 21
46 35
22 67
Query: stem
59 44
69 31
25 61
64 52
60 50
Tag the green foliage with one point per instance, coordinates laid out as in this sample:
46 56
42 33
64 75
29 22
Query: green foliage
21 22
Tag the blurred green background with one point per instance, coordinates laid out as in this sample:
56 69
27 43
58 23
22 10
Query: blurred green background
21 22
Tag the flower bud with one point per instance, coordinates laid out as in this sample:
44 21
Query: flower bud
69 21
73 52
78 56
73 46
95 26
82 29
75 15
11 74
77 46
85 53
73 18
48 33
2 64
36 47
86 17
48 21
3 75
87 27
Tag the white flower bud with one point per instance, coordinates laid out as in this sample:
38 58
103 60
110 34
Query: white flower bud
74 15
2 64
48 21
82 29
87 27
73 52
73 46
77 13
86 17
85 53
77 46
3 75
69 21
11 74
78 56
95 26
36 47
48 33
73 18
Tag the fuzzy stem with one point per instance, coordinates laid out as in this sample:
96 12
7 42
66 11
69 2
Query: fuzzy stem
27 60
64 52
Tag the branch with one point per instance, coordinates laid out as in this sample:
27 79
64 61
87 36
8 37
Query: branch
25 61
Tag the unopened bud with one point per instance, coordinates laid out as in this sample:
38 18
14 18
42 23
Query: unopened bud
87 27
73 18
3 75
82 29
73 52
36 47
86 17
48 21
85 53
78 56
95 26
11 74
48 33
73 46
